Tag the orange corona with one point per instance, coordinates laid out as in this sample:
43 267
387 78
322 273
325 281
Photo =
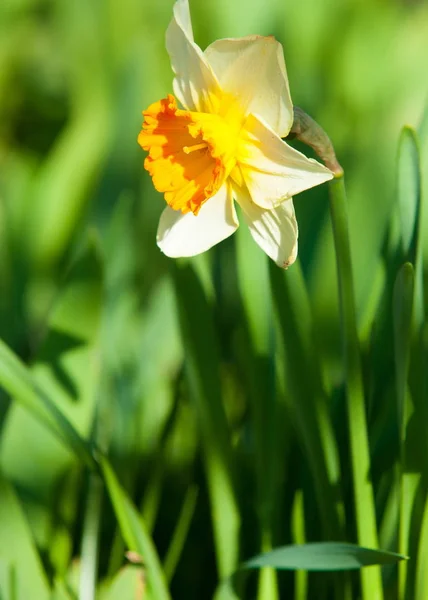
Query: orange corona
190 154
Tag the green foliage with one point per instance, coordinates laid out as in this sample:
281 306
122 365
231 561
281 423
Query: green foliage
135 534
201 412
327 556
22 572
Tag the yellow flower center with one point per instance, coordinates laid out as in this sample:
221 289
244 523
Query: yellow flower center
191 154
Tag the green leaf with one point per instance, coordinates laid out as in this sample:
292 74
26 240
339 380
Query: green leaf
257 307
62 592
17 380
402 310
421 574
7 579
68 173
60 388
24 567
90 545
409 190
180 534
128 583
412 214
299 535
322 556
410 360
135 534
257 358
203 370
364 503
423 137
308 405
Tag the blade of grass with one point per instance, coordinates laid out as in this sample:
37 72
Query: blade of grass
71 169
26 574
202 364
90 539
409 314
307 405
65 368
152 495
408 190
259 365
421 576
7 580
128 583
316 557
323 556
423 137
371 580
410 209
62 592
298 530
67 495
135 534
180 533
402 311
17 380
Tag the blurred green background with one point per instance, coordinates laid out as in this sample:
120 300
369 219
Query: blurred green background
215 385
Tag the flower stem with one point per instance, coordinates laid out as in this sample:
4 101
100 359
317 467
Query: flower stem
371 580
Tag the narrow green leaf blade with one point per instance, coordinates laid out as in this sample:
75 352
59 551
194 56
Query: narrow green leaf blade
308 405
203 370
17 546
364 501
134 533
409 190
17 380
128 583
402 310
181 531
323 556
61 591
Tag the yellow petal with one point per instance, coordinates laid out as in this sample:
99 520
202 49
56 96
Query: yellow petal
253 70
272 170
194 83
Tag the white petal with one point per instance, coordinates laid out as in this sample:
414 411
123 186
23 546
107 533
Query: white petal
188 235
275 230
273 170
194 81
253 70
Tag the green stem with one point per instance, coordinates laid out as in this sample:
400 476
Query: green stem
90 539
371 580
408 482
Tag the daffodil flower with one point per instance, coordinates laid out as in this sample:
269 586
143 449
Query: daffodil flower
225 145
